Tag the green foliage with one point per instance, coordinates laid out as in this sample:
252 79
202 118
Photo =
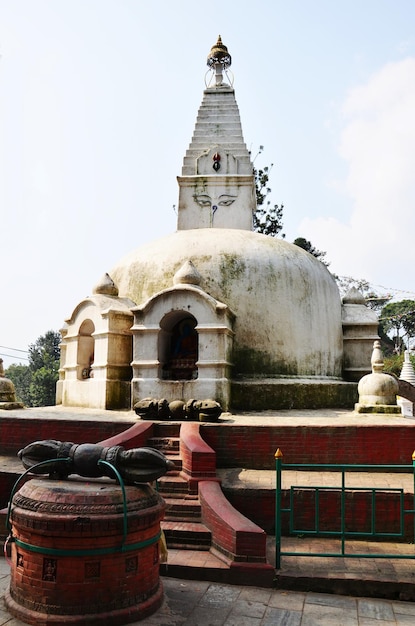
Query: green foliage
393 364
36 383
267 218
45 350
397 320
21 377
43 385
308 247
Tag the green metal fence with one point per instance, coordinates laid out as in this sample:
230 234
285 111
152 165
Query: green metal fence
343 533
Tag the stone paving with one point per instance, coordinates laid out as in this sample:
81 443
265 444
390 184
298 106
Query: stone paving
315 417
195 603
240 478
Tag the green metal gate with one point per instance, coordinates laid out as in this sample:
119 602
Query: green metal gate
342 534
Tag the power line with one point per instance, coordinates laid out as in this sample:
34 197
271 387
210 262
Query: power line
12 356
14 349
369 285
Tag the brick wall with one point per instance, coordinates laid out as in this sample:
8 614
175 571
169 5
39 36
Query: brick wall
17 432
260 508
254 446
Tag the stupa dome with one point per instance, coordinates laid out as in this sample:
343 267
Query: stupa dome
287 305
378 388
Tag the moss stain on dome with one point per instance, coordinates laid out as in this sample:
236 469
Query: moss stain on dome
251 362
231 268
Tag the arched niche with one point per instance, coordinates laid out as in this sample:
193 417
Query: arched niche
178 346
86 349
159 324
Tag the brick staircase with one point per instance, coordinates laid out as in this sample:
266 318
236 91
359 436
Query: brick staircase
182 523
206 537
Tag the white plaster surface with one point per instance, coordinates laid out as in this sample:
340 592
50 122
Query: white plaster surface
287 304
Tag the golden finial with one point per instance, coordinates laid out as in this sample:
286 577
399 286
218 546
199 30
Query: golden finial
219 55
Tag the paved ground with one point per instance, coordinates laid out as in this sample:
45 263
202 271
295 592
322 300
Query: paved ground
194 603
317 417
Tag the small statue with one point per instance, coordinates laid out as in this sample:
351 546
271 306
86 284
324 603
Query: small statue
202 410
138 465
152 409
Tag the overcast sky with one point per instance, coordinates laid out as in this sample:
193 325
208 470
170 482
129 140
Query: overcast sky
98 101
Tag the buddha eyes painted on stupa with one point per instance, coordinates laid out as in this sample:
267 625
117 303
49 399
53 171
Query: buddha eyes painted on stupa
203 200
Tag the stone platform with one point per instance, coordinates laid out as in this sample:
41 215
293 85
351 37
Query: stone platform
245 445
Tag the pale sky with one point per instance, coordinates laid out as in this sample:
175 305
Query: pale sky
98 101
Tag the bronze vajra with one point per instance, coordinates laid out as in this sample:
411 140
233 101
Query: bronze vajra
138 465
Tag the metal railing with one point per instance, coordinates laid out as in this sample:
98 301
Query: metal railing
343 533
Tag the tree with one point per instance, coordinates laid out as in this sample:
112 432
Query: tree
306 245
36 383
398 319
267 218
44 350
44 357
43 385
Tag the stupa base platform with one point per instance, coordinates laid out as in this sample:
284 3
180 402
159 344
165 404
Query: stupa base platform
385 409
292 393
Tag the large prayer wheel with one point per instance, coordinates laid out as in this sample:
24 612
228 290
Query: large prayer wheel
84 552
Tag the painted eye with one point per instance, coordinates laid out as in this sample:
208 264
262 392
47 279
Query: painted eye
202 200
226 201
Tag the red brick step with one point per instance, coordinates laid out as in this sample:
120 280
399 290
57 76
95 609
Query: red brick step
186 535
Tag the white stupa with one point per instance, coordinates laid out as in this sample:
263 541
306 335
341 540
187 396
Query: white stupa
215 310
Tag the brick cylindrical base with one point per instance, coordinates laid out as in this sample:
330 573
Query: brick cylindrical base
81 557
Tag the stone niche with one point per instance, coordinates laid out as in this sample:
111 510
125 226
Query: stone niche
96 354
182 346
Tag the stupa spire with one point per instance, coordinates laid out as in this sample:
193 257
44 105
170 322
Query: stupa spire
219 60
217 186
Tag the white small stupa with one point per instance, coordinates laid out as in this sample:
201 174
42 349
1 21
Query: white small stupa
408 375
377 391
407 372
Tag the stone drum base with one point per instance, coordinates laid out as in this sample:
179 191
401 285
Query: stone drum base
112 618
81 555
